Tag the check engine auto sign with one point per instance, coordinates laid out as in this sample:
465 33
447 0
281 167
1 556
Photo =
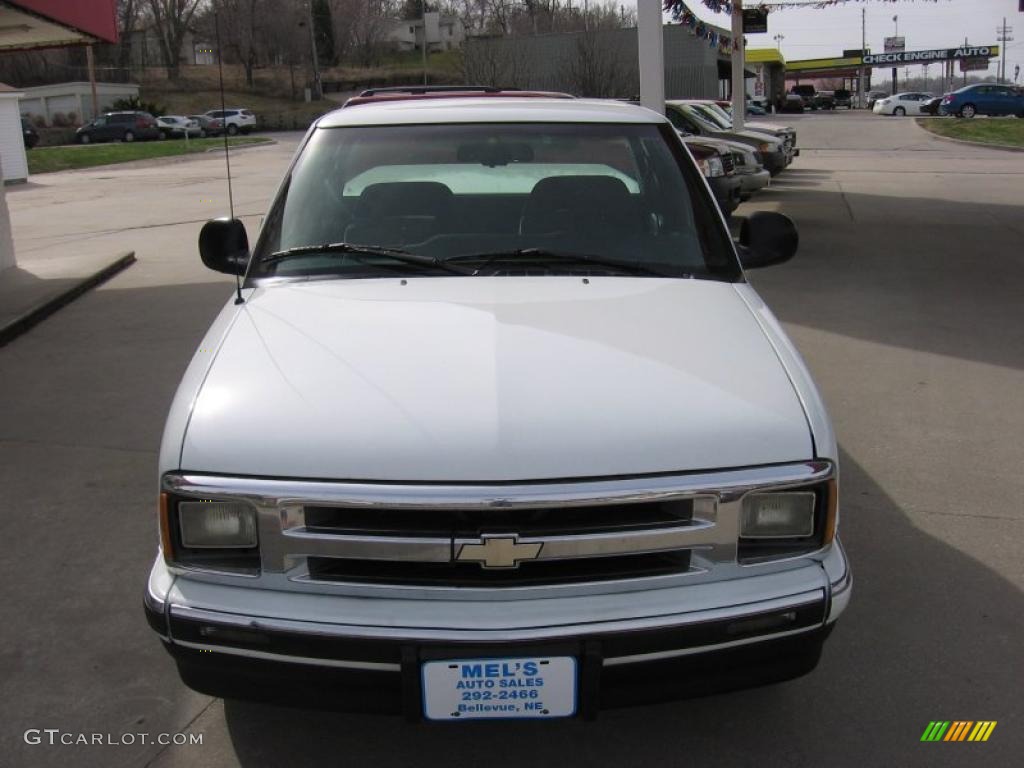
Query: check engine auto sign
936 54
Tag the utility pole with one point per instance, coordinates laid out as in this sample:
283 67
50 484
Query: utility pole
1004 35
863 53
965 71
92 84
317 91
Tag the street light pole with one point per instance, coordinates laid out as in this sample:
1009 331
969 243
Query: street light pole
778 39
739 86
896 21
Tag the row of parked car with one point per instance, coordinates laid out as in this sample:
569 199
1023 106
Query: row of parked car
979 99
736 163
142 126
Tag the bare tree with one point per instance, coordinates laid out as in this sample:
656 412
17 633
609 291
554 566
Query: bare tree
596 70
501 62
172 19
127 18
361 28
241 27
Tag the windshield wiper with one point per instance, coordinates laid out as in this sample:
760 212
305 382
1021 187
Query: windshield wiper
366 250
542 256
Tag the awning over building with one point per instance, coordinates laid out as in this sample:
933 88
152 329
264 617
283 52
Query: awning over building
26 24
765 56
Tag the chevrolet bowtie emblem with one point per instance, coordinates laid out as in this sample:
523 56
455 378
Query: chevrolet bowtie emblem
499 551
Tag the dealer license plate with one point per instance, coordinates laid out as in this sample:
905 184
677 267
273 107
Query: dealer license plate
520 687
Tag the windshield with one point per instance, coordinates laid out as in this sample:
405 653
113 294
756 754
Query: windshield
553 198
715 114
701 119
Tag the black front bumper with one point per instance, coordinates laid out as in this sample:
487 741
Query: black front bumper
250 663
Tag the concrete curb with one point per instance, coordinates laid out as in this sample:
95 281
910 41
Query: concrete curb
31 318
965 142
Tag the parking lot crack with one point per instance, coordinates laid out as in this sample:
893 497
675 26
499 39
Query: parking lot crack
846 202
186 729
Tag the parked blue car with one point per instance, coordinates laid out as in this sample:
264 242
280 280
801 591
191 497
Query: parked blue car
984 99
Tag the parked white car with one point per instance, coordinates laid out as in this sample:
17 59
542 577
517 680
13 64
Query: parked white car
178 126
495 427
235 119
901 104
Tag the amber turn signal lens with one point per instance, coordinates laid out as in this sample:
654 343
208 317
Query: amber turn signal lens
831 511
165 531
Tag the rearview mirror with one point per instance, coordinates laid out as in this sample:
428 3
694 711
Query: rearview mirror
224 246
767 238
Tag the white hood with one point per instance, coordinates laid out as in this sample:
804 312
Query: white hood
493 379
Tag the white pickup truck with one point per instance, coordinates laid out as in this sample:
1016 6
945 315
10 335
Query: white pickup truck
495 428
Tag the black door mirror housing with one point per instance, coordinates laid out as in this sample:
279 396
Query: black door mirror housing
224 246
767 238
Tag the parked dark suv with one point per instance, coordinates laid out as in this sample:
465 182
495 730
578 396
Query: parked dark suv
119 126
824 100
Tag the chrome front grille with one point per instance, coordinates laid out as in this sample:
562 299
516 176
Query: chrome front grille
496 546
614 534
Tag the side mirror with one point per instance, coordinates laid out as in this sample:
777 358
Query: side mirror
224 246
767 238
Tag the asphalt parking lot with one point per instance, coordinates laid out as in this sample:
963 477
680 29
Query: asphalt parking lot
907 301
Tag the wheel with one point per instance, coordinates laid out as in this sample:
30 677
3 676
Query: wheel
84 138
899 112
968 111
163 136
129 136
232 129
202 133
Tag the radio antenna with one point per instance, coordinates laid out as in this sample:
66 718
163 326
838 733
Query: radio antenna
224 133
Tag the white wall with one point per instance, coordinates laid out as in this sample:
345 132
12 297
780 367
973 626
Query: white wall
12 143
46 100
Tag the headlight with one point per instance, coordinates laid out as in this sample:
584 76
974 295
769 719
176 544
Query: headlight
712 167
209 534
213 524
778 515
776 525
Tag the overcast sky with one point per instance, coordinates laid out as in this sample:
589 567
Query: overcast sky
811 33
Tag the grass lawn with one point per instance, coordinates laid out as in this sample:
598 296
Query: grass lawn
47 159
1005 131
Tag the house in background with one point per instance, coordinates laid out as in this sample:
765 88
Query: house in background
13 163
443 33
72 99
28 24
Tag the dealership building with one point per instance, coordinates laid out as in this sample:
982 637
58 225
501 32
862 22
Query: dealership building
603 63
